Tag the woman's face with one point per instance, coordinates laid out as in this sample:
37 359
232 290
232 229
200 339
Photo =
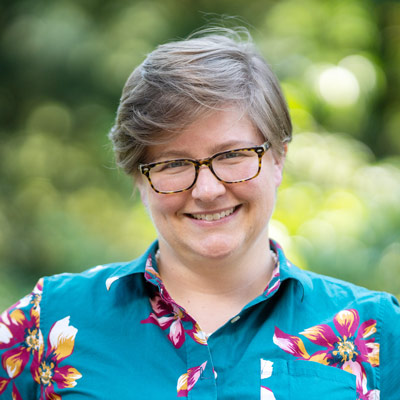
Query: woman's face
181 218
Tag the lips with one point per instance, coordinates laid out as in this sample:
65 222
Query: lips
213 216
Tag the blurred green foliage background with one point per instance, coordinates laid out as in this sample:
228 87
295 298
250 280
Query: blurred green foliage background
63 205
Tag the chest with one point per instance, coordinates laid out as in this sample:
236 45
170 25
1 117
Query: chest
242 360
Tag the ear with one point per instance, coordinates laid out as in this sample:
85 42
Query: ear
142 187
279 162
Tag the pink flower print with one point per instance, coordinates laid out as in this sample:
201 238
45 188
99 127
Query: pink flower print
150 272
274 283
15 394
168 315
3 384
187 380
347 346
364 393
33 299
361 379
197 334
266 372
266 394
22 337
48 372
291 344
348 349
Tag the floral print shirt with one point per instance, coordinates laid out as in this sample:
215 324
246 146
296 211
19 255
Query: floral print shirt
113 332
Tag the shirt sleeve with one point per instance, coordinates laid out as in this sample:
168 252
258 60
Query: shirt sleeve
390 350
21 344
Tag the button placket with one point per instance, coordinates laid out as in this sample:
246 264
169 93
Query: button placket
205 387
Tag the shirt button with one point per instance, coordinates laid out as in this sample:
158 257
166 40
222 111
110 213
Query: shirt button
235 319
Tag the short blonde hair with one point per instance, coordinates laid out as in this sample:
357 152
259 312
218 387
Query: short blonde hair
180 81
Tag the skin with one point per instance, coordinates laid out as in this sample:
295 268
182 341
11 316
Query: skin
214 265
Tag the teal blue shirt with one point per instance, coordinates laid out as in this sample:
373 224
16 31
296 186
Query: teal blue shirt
113 332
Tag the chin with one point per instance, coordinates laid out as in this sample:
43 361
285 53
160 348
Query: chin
216 249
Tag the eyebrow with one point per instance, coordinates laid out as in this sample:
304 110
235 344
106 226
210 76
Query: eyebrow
231 145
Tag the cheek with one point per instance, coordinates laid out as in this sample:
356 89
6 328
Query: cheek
271 173
259 193
262 192
165 206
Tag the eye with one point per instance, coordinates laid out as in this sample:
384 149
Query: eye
174 166
235 154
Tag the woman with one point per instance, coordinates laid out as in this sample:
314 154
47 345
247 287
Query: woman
213 309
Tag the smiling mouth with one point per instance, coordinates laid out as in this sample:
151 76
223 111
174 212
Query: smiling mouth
214 216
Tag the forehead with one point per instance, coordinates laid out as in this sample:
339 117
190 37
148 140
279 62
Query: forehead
217 131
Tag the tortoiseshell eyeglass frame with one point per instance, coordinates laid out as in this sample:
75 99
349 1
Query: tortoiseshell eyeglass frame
259 150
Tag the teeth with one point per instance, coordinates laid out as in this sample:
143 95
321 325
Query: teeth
214 217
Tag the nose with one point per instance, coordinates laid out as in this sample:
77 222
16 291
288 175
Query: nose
207 186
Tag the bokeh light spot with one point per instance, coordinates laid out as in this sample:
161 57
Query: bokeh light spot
338 86
50 118
363 69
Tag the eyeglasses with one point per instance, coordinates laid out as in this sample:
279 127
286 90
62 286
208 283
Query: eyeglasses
232 166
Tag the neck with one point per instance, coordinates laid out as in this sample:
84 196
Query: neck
223 285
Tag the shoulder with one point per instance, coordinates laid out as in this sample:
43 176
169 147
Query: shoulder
97 279
92 292
89 277
92 279
327 292
100 277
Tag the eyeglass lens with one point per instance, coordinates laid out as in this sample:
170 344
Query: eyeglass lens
229 167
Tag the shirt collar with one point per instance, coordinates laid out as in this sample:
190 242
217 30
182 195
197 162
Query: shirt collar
287 270
136 266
